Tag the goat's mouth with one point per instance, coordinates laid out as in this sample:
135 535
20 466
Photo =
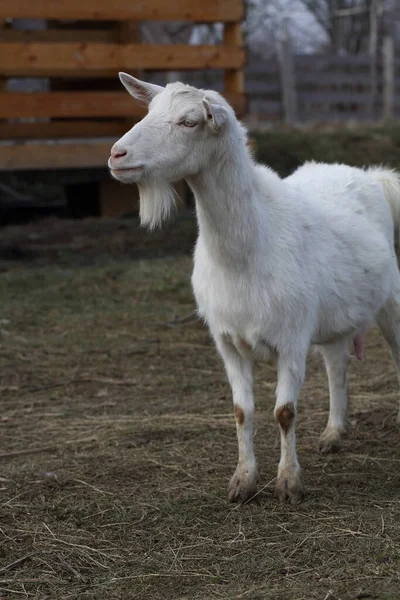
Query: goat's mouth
127 169
127 174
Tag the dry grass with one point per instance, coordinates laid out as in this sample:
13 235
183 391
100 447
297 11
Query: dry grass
118 442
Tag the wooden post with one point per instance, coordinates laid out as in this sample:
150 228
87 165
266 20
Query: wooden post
388 77
373 53
288 80
233 79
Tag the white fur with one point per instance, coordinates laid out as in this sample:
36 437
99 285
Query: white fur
279 265
157 201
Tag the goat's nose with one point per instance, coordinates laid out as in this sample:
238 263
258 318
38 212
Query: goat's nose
118 152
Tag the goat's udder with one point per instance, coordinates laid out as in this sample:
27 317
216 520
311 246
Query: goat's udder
358 343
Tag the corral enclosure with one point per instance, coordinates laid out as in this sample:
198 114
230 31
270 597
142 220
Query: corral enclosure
118 439
117 434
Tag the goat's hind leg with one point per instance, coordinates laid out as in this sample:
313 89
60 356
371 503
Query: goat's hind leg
336 358
389 324
239 368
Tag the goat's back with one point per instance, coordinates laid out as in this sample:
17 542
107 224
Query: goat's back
344 193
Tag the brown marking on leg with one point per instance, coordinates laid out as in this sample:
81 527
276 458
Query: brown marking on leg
244 345
285 415
239 414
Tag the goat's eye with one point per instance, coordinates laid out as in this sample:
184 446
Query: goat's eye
188 123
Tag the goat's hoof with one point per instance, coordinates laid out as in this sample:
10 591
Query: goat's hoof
243 485
331 440
289 488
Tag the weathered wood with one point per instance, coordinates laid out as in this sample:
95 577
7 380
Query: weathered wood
83 60
233 35
55 155
71 52
233 79
388 77
128 32
69 104
62 129
206 11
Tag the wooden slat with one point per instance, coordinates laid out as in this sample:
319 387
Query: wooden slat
205 11
69 104
82 104
62 129
333 97
75 59
332 117
263 86
337 78
57 155
325 61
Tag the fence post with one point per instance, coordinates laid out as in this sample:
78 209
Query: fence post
233 79
388 77
288 81
375 12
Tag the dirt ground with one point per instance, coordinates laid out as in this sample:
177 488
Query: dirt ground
118 441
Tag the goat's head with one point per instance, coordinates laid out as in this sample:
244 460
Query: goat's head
175 139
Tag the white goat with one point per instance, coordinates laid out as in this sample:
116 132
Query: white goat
279 265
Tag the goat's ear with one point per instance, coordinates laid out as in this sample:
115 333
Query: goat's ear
140 89
214 114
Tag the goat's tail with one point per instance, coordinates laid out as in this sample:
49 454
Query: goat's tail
390 182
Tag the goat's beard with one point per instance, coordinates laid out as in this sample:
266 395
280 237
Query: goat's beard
157 202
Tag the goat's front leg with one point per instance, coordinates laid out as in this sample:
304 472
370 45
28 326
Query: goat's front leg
239 368
291 371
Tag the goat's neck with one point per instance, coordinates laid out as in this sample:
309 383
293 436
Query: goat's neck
226 206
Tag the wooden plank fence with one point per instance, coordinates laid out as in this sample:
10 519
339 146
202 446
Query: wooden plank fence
60 80
206 11
327 88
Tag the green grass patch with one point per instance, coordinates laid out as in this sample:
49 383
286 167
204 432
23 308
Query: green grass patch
285 150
